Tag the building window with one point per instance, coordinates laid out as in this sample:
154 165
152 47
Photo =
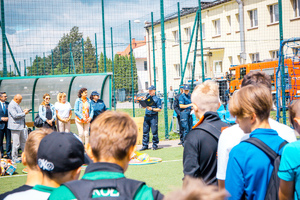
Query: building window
217 25
146 85
274 13
229 23
177 70
145 66
296 6
188 33
274 54
253 18
176 37
230 59
238 21
254 57
203 31
296 51
218 67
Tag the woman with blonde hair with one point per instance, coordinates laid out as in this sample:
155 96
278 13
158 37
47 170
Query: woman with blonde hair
47 112
63 112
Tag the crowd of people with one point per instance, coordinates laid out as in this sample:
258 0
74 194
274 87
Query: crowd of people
219 161
55 117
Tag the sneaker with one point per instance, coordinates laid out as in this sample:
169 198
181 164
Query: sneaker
156 148
143 148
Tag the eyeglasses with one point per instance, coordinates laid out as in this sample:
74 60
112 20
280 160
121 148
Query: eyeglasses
47 98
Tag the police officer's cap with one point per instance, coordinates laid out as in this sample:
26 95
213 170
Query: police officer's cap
186 87
152 87
181 86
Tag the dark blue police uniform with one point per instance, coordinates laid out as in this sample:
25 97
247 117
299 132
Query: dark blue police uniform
99 108
151 120
186 119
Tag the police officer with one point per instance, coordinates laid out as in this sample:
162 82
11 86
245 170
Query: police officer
151 120
185 105
177 110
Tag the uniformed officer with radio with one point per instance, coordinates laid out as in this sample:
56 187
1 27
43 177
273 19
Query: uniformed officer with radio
151 120
185 105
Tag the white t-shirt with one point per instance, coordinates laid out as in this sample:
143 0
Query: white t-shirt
63 109
233 135
171 94
40 193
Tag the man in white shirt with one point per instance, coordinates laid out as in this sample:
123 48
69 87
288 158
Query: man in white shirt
233 135
171 97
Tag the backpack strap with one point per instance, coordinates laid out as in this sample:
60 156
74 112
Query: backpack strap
265 148
211 129
83 189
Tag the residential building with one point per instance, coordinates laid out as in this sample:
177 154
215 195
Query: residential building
221 37
139 49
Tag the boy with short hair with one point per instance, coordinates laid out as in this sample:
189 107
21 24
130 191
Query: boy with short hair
112 141
200 149
29 159
249 168
233 135
289 171
60 156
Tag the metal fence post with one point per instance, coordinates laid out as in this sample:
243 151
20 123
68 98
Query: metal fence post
163 41
113 67
103 30
153 47
96 53
179 31
3 39
25 73
131 62
82 42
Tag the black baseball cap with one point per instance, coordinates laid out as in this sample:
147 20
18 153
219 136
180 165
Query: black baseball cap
60 152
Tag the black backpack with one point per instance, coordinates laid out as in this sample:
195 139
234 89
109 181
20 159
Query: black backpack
211 129
83 189
272 191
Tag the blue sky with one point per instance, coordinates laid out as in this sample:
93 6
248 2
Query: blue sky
34 27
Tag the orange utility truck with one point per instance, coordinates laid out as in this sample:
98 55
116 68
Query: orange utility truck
292 76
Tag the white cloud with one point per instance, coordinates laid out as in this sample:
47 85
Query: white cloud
35 27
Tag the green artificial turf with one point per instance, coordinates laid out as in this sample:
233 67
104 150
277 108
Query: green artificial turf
164 176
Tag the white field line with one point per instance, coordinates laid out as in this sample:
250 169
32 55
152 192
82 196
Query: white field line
81 170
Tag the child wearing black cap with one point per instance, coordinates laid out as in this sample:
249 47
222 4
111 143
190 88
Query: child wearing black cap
112 142
60 156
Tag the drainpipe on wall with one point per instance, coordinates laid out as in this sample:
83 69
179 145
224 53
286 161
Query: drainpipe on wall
242 31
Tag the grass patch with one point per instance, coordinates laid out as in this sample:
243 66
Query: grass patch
165 176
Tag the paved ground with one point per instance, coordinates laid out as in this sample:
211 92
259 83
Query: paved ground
164 144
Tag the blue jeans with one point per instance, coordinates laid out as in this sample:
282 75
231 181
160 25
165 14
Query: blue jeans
150 121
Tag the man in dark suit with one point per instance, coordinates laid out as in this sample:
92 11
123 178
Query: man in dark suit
4 131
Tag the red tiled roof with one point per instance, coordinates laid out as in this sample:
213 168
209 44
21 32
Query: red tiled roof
135 44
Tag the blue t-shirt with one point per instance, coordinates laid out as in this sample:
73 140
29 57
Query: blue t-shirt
156 105
249 169
289 169
185 99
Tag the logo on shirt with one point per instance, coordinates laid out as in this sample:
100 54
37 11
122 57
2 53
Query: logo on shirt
45 164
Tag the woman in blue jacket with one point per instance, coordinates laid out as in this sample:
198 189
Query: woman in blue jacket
83 115
97 104
47 113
